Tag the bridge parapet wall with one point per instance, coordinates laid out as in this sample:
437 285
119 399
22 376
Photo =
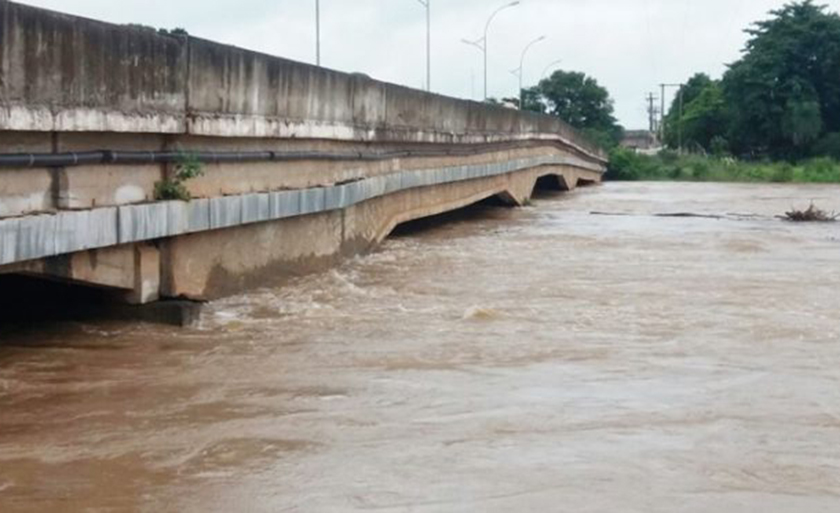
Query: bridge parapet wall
61 73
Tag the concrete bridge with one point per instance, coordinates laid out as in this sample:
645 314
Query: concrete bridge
302 165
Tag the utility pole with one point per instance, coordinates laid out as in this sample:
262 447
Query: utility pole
662 114
680 126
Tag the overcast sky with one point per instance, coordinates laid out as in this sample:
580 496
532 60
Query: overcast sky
629 46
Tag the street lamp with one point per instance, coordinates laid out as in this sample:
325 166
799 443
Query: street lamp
521 70
549 67
481 44
318 32
428 6
480 49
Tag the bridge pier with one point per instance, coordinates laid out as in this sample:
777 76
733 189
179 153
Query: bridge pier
132 271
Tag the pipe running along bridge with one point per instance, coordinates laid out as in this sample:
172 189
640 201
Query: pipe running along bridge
302 165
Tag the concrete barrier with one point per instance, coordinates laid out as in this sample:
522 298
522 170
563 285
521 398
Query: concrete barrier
69 74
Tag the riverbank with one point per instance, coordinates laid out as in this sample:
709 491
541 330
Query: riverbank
626 165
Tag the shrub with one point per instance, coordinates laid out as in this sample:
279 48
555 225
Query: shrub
828 146
624 165
700 169
187 167
821 170
783 172
628 165
719 146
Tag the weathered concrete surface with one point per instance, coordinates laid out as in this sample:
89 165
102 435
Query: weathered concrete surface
107 185
25 191
220 245
30 190
377 155
214 247
209 265
47 235
63 73
134 268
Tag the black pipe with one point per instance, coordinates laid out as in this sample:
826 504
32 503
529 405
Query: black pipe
32 160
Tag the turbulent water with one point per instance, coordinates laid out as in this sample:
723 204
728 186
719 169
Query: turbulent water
580 355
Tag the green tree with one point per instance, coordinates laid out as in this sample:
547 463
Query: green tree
784 93
681 103
704 121
533 100
580 101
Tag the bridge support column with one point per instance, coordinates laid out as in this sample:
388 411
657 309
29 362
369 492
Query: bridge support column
132 271
146 275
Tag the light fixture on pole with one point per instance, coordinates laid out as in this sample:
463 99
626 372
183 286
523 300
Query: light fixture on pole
428 6
482 45
520 71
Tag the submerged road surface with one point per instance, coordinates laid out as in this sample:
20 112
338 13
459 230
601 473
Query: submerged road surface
540 359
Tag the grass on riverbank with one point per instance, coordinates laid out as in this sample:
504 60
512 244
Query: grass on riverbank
629 166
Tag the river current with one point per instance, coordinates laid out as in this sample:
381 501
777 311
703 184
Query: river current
583 354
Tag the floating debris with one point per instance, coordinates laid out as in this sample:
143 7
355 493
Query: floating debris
674 214
811 215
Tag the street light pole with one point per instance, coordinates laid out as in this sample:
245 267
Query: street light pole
428 6
318 32
547 68
482 45
521 70
478 45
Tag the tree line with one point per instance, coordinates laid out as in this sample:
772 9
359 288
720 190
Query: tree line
780 100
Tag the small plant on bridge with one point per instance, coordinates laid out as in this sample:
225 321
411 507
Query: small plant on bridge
187 167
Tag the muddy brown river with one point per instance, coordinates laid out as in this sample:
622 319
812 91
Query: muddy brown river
537 359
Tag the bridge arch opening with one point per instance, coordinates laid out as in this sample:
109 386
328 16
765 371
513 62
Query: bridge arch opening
34 300
38 298
489 208
551 183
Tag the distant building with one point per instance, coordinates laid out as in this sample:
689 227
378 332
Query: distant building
643 141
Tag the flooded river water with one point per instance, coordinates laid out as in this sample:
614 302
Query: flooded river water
509 360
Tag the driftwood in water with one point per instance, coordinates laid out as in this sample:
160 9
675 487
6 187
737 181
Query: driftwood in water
676 214
811 214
